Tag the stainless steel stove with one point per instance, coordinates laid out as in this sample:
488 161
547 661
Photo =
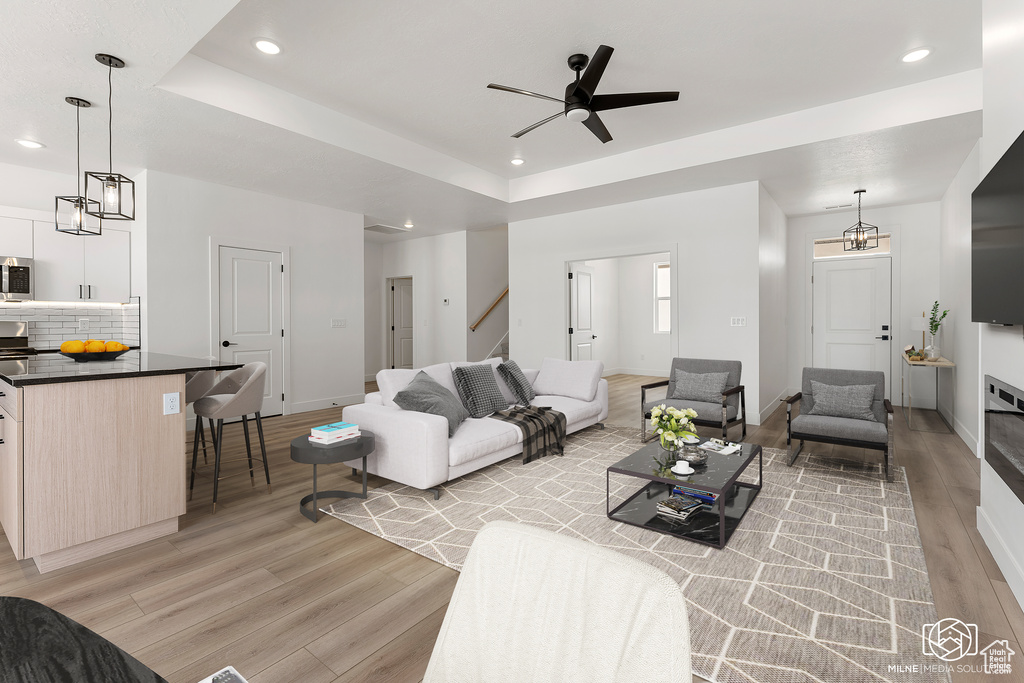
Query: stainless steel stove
14 340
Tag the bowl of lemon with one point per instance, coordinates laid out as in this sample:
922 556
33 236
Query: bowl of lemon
92 349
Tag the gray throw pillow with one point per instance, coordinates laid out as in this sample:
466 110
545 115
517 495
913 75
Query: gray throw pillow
706 387
478 389
852 401
425 395
517 382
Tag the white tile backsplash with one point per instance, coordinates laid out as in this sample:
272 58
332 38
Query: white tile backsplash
50 323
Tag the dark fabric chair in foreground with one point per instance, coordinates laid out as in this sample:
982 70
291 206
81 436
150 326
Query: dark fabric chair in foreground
842 407
710 387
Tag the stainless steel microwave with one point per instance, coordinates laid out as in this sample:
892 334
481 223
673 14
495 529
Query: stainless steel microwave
18 279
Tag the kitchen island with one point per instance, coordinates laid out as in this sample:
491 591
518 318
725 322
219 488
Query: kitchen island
89 461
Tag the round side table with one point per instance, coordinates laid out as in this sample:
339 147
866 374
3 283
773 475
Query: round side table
319 454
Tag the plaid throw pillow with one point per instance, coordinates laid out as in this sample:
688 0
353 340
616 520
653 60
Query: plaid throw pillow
706 387
479 390
517 382
852 401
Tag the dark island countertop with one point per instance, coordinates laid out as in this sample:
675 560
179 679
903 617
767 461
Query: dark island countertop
51 368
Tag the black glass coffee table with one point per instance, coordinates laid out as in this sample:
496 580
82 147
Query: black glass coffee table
719 477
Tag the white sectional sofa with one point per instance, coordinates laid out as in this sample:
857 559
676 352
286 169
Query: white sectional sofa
413 448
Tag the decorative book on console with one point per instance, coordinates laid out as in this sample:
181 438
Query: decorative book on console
334 432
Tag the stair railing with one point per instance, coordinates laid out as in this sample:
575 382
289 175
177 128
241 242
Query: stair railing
488 311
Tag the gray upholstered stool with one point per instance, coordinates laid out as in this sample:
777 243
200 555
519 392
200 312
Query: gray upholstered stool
198 385
238 393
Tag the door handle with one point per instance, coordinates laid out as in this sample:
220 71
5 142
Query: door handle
226 344
593 336
89 291
81 294
884 337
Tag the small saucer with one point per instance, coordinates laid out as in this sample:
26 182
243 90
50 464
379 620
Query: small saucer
682 467
690 439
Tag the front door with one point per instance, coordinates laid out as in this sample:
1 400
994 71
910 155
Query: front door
401 323
582 337
852 317
251 328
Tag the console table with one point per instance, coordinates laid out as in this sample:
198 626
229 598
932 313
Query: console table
908 369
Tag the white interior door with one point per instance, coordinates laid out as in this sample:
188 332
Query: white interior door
251 327
852 315
582 337
402 322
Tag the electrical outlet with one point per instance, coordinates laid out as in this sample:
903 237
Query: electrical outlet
738 322
172 403
339 322
643 356
446 302
83 324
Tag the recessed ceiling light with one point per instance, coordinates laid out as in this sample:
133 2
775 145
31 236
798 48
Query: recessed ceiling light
517 162
917 54
31 144
408 224
267 47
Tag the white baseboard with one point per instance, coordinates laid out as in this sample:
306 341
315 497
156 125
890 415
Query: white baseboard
660 372
767 411
321 403
1001 553
969 438
370 378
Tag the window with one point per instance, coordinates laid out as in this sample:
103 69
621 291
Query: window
662 298
832 247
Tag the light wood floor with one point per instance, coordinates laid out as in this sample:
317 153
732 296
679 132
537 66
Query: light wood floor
282 599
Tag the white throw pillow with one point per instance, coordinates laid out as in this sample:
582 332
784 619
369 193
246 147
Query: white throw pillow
570 378
391 381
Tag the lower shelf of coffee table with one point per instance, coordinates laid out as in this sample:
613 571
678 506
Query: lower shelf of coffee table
704 527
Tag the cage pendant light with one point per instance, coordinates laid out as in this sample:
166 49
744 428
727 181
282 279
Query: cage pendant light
72 214
862 236
112 194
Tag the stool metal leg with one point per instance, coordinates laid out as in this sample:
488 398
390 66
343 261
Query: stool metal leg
248 450
195 456
218 438
202 437
263 450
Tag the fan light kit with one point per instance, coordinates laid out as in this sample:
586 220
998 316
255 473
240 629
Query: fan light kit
112 195
580 104
408 224
30 144
267 47
78 219
916 55
861 236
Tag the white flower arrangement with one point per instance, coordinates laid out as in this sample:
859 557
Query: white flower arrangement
672 425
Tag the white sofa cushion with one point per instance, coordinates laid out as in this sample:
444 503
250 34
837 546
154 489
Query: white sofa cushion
502 387
478 437
391 381
571 378
575 410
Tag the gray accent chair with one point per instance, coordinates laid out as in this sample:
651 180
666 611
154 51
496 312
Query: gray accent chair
731 410
874 434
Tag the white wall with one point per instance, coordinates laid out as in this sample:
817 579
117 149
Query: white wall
325 277
702 231
437 266
915 283
642 351
959 338
486 278
774 321
375 311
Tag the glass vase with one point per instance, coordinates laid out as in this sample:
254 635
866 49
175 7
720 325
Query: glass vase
931 352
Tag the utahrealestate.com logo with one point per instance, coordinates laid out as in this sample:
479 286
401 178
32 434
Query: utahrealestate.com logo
951 640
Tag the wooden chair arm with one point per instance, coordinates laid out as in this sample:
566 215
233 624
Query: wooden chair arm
888 406
734 390
654 385
794 398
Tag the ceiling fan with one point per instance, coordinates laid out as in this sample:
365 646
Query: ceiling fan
581 104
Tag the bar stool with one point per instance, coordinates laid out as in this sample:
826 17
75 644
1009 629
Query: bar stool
198 385
238 393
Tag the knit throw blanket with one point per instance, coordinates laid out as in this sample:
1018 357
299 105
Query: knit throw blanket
543 429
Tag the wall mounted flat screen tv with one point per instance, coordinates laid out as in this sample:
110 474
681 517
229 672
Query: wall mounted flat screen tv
997 242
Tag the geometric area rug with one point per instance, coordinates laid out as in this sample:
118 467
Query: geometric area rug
823 580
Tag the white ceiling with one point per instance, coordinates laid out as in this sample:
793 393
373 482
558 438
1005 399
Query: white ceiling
380 107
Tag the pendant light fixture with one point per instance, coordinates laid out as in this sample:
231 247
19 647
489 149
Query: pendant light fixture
112 195
862 236
72 214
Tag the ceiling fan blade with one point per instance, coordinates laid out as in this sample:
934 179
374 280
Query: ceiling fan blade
632 99
520 91
594 71
526 130
596 126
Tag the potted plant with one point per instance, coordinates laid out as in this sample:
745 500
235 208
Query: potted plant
672 426
932 350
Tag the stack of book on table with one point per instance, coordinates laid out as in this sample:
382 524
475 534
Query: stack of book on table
679 508
333 433
703 497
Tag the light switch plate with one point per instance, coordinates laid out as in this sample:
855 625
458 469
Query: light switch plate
339 322
172 403
738 322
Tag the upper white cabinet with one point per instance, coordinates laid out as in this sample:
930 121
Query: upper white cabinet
81 267
15 237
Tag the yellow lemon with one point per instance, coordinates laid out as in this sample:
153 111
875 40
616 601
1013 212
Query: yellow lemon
95 346
73 346
113 346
